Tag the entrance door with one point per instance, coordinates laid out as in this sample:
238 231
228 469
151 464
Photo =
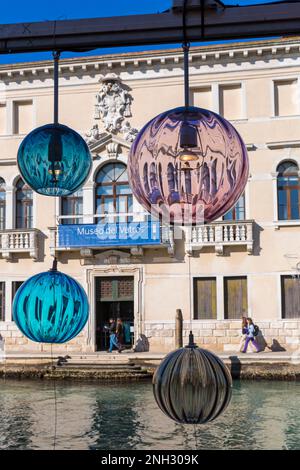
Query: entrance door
114 299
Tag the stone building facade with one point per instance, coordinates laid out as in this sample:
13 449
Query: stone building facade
244 264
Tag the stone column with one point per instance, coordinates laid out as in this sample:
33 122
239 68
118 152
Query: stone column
10 207
215 98
9 117
88 203
220 298
8 301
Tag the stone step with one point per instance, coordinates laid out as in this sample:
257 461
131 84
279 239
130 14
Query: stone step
103 358
104 370
79 365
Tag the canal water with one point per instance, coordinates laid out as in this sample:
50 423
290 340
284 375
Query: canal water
262 415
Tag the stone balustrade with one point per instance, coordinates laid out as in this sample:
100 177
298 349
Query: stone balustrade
19 241
219 235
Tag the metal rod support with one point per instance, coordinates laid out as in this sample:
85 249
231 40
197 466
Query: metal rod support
56 56
231 22
186 76
54 265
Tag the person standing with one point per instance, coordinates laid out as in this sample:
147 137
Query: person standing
112 335
120 335
250 336
243 333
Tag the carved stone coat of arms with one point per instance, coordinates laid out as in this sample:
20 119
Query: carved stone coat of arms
113 106
112 103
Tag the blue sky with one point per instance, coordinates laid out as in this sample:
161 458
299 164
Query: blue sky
19 11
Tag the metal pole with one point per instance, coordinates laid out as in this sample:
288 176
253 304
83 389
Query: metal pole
186 48
56 56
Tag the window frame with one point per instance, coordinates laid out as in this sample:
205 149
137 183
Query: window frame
73 200
26 203
233 211
195 297
282 297
281 79
99 200
287 190
225 298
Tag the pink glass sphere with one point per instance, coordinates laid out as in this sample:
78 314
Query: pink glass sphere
193 185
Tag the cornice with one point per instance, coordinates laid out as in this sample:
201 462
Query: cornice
225 53
283 144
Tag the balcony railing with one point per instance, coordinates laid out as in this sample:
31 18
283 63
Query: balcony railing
131 230
219 235
19 241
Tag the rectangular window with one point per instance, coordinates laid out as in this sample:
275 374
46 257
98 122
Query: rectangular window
202 97
2 118
285 97
230 97
235 297
290 297
23 117
72 205
15 287
115 289
288 197
238 211
205 298
2 301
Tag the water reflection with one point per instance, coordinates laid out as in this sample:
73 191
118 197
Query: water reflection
262 415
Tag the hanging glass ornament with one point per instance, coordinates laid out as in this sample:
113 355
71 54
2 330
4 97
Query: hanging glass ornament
54 160
188 165
50 307
188 160
192 385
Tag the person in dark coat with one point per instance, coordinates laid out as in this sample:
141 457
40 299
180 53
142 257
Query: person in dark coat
120 335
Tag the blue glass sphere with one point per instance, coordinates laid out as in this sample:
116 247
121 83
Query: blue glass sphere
54 160
50 307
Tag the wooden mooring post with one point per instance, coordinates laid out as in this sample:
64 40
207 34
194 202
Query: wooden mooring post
178 329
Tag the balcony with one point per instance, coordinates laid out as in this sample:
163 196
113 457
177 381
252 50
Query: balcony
132 231
19 241
220 235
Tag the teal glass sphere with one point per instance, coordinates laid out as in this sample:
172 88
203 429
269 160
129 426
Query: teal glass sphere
50 307
54 160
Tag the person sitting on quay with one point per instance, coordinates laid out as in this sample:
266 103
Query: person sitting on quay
251 333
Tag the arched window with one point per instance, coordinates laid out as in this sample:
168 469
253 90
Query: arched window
113 193
72 205
238 211
24 202
2 204
288 191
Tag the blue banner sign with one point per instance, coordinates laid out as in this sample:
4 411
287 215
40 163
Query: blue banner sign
109 234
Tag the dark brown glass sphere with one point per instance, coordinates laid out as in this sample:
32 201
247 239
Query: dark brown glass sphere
192 385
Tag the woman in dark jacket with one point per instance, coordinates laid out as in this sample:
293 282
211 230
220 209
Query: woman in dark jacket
120 335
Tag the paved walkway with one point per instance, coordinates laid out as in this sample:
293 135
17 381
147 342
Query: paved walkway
148 356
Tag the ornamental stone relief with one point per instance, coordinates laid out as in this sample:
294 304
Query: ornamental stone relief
113 106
